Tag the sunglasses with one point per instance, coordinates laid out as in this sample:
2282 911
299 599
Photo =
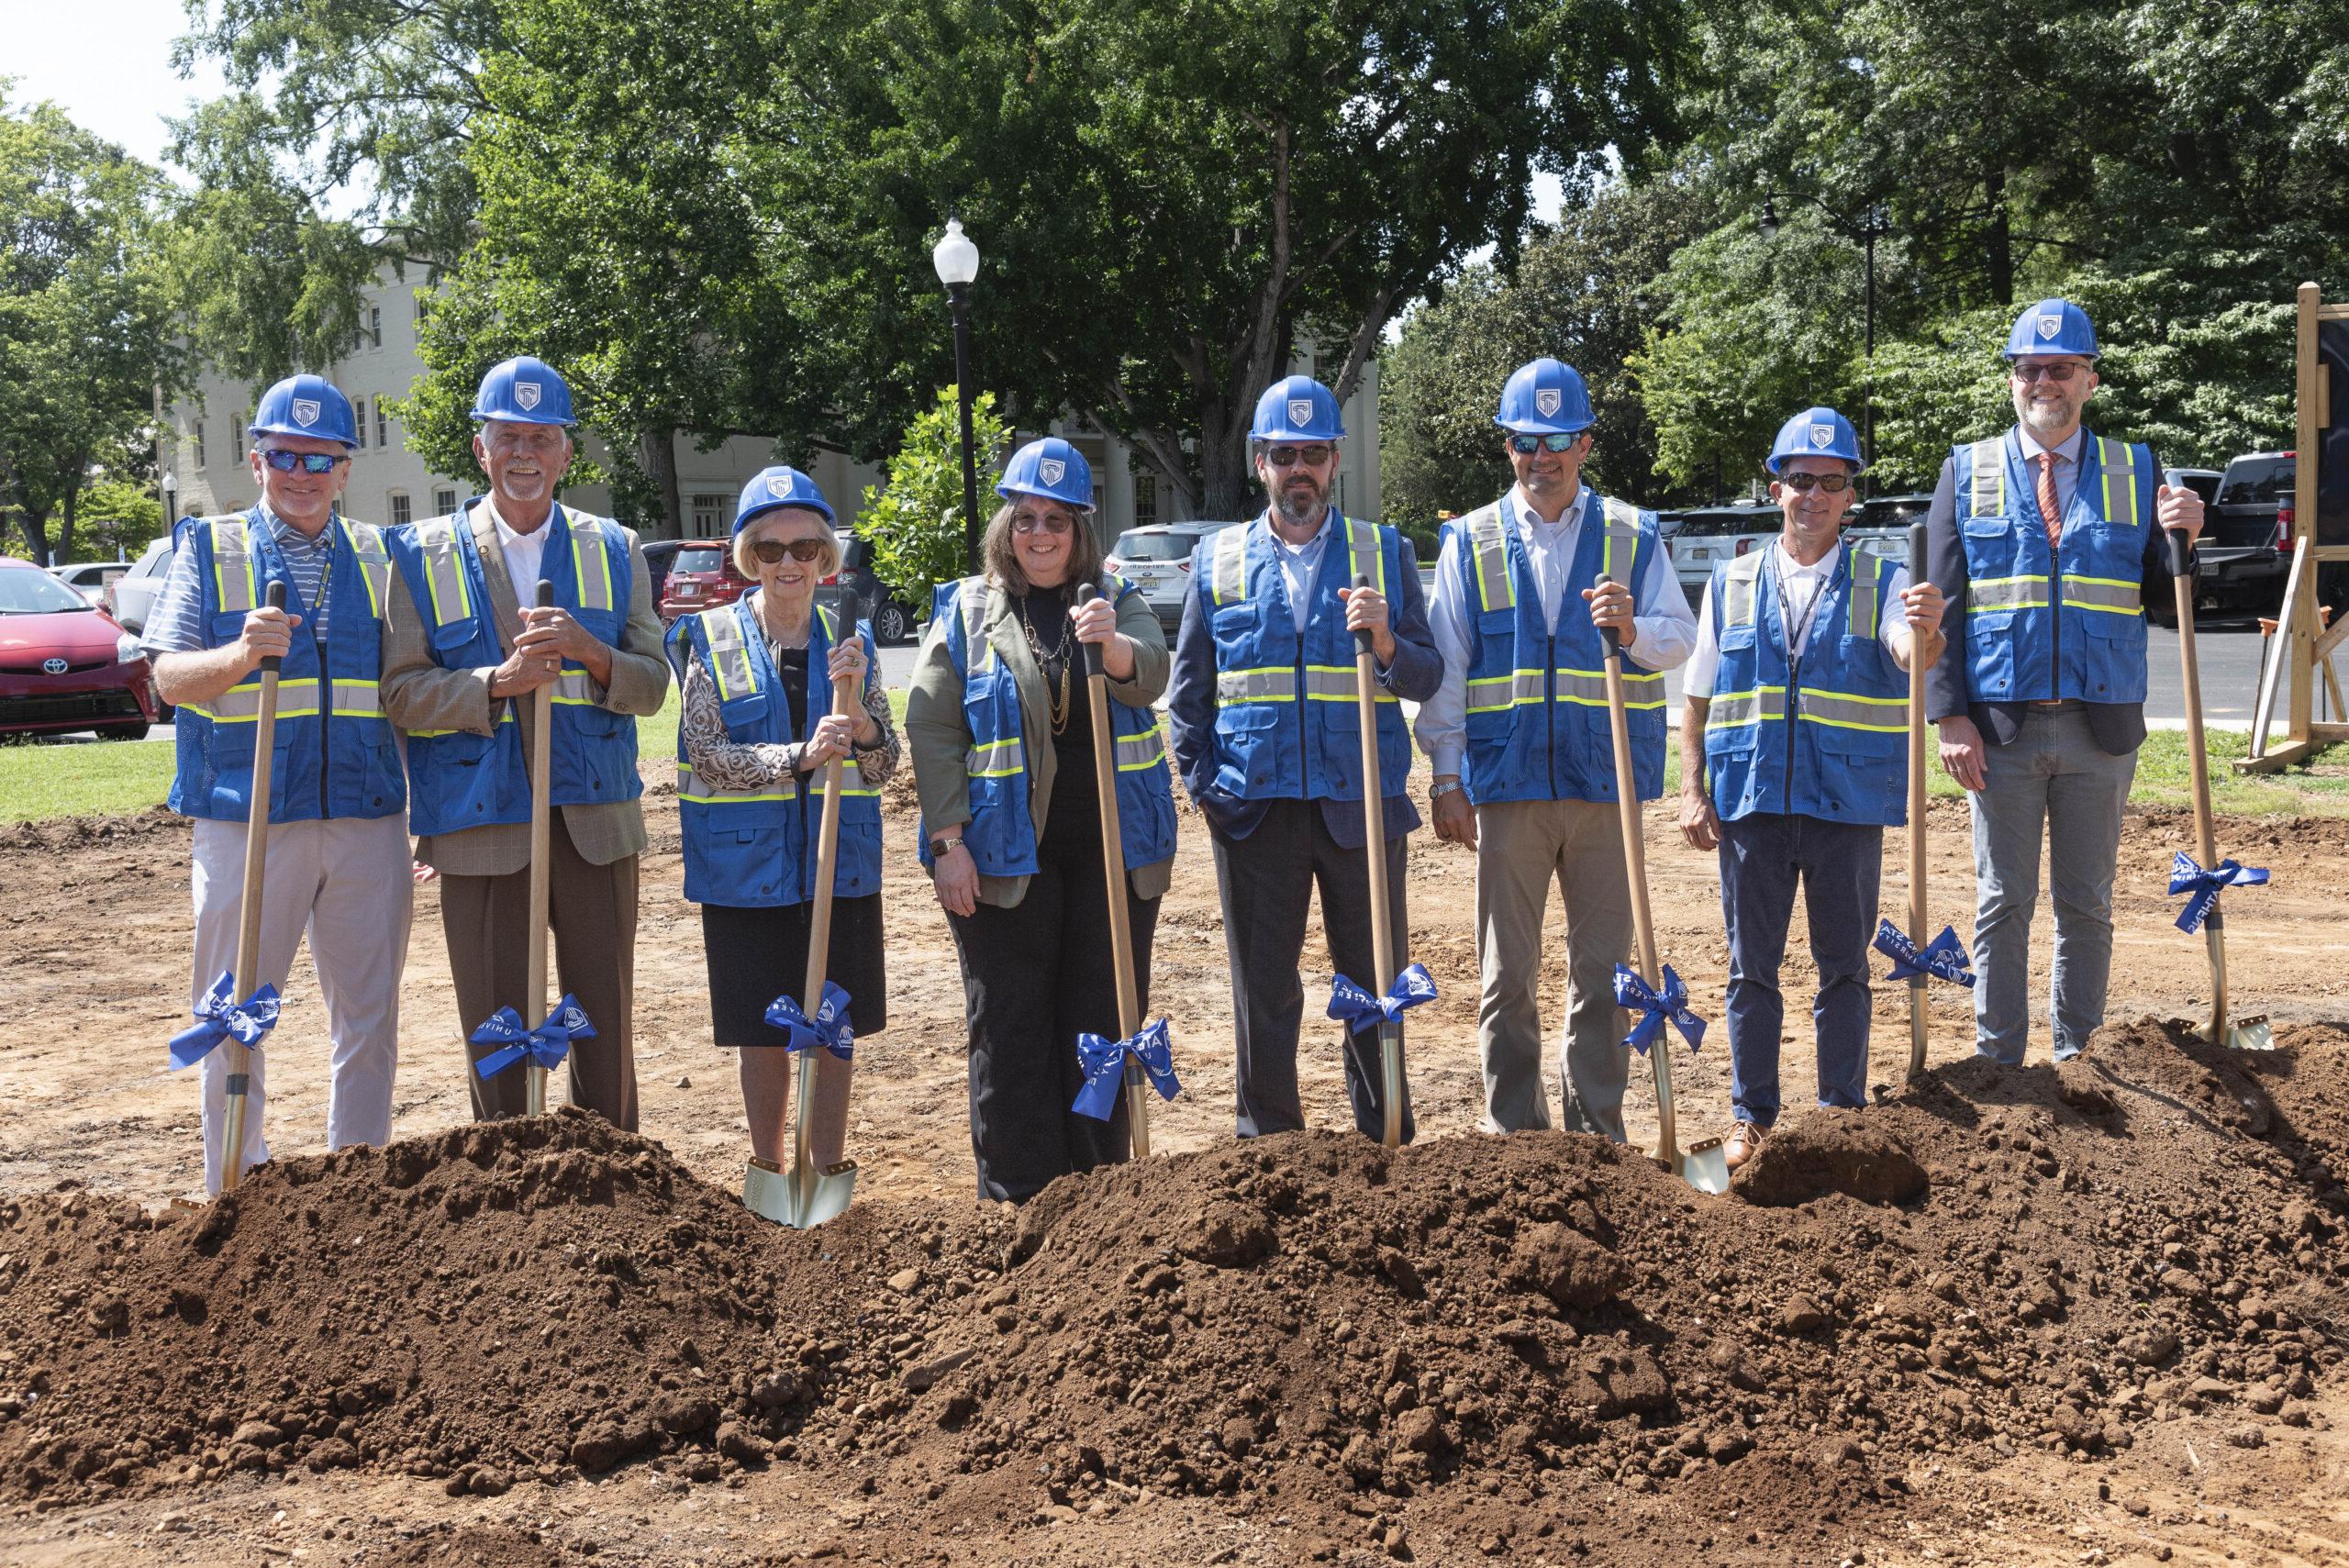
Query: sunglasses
1053 523
770 551
2061 371
1289 457
1526 446
308 463
1802 484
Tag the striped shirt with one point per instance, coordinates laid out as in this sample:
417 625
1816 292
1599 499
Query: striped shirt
176 624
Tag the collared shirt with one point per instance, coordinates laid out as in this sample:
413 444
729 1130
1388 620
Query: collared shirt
1299 563
1662 627
174 624
1800 586
2067 464
524 553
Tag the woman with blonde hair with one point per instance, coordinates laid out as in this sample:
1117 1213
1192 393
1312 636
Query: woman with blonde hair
1002 738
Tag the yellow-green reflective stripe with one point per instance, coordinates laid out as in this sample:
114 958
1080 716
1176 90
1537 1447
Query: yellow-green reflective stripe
1335 682
1989 462
233 582
1737 592
1588 688
2007 593
690 787
1367 558
575 688
241 703
595 588
2113 595
1622 523
730 659
2119 465
1865 601
1494 589
356 699
847 793
971 607
1841 710
444 572
996 760
1228 574
505 716
366 542
1730 710
1273 683
1136 751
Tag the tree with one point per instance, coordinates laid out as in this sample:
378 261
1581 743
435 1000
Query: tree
85 334
914 524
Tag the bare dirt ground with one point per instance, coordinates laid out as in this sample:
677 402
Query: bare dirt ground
93 943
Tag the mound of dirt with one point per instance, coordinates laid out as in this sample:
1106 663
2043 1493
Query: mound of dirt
60 835
1542 1329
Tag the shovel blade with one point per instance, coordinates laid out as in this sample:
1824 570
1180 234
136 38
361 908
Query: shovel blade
824 1193
1705 1166
2249 1034
766 1192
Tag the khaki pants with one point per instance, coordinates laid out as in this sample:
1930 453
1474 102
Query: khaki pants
1521 847
592 909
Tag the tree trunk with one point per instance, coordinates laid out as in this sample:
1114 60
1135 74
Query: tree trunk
1226 481
35 526
658 451
2001 244
65 523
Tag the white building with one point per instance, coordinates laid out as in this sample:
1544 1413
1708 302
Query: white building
389 484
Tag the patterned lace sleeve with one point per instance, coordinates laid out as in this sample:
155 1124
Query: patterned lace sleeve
725 764
879 763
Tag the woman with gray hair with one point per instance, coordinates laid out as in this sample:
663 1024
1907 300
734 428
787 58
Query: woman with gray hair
1002 738
756 733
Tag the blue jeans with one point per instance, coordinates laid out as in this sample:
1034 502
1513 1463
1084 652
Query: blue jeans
1838 864
2052 780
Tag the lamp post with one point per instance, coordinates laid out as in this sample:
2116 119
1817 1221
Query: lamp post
1874 223
957 260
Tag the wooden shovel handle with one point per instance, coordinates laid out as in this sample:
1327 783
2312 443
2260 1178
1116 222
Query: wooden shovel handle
1113 878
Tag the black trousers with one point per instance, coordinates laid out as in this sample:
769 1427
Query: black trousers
1035 976
1267 881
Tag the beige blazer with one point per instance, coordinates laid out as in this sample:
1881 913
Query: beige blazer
419 695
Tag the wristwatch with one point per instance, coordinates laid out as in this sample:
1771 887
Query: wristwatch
1441 788
940 847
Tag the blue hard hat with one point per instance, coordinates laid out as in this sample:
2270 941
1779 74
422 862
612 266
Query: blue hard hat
2052 327
1049 468
772 489
526 391
1816 432
1297 409
306 405
1545 398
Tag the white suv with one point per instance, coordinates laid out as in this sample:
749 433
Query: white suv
130 596
1156 558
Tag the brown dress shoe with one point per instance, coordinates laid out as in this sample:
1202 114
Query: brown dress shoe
1744 1143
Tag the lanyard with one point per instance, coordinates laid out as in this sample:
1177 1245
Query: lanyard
1799 638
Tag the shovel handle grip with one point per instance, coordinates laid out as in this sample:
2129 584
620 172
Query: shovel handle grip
1362 638
2181 552
546 595
1607 635
1085 594
1917 573
276 602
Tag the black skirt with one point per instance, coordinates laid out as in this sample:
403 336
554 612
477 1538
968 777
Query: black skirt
757 955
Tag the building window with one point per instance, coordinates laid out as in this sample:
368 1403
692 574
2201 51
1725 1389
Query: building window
705 509
418 300
381 440
236 435
401 514
375 324
1145 500
443 503
359 422
199 443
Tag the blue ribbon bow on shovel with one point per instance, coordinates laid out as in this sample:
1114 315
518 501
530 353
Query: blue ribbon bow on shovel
1103 1063
219 1019
547 1045
829 1027
1632 992
2187 877
1358 1009
1943 958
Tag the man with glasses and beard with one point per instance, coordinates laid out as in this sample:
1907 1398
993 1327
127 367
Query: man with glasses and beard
1797 707
2041 539
457 680
338 861
1519 738
1267 737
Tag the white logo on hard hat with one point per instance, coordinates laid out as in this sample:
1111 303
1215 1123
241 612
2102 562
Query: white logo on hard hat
778 486
1547 401
525 392
1300 411
1822 437
2049 326
305 411
1050 469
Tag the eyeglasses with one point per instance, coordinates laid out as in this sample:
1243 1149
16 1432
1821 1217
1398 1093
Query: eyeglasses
308 463
1290 457
1526 446
1831 484
2059 371
770 551
1053 523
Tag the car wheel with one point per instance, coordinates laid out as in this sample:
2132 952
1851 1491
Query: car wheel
891 625
122 732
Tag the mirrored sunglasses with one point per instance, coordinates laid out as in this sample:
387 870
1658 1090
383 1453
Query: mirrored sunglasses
308 463
770 551
1831 484
1526 446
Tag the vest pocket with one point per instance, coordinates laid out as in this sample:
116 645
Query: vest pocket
1990 653
1736 639
227 626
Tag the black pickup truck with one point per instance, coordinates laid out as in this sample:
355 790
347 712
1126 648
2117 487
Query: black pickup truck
2246 547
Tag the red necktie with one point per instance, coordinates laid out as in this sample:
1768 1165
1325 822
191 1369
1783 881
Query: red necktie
2048 511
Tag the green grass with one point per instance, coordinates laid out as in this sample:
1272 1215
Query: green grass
101 778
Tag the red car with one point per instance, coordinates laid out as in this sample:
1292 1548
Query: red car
701 577
66 664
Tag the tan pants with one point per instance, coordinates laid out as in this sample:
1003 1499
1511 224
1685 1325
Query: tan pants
592 909
1521 847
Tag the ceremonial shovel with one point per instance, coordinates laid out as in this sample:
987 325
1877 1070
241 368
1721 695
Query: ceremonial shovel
2247 1034
1705 1165
239 1058
1381 930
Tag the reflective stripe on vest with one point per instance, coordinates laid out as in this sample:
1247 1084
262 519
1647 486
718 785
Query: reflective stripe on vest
1494 591
996 760
972 600
1730 709
444 571
1844 711
1337 683
1737 589
1989 459
366 542
1622 530
233 581
1364 557
594 587
1228 574
730 659
690 787
1498 692
1864 602
2113 595
2006 593
1273 682
2119 462
1137 752
295 699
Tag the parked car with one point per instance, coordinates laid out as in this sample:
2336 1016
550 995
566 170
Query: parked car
1882 527
659 554
130 596
2203 482
892 618
1709 535
1156 558
65 664
701 577
2246 547
90 578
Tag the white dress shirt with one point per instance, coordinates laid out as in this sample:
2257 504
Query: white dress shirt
523 554
2067 465
1663 630
1299 563
1800 586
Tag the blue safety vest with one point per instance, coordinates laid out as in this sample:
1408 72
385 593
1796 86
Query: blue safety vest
461 780
1288 718
2087 638
334 752
756 848
1823 737
1001 834
1537 700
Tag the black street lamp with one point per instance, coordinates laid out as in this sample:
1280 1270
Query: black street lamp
957 260
1874 222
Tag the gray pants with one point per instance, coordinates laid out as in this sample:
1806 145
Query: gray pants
1521 847
2052 779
